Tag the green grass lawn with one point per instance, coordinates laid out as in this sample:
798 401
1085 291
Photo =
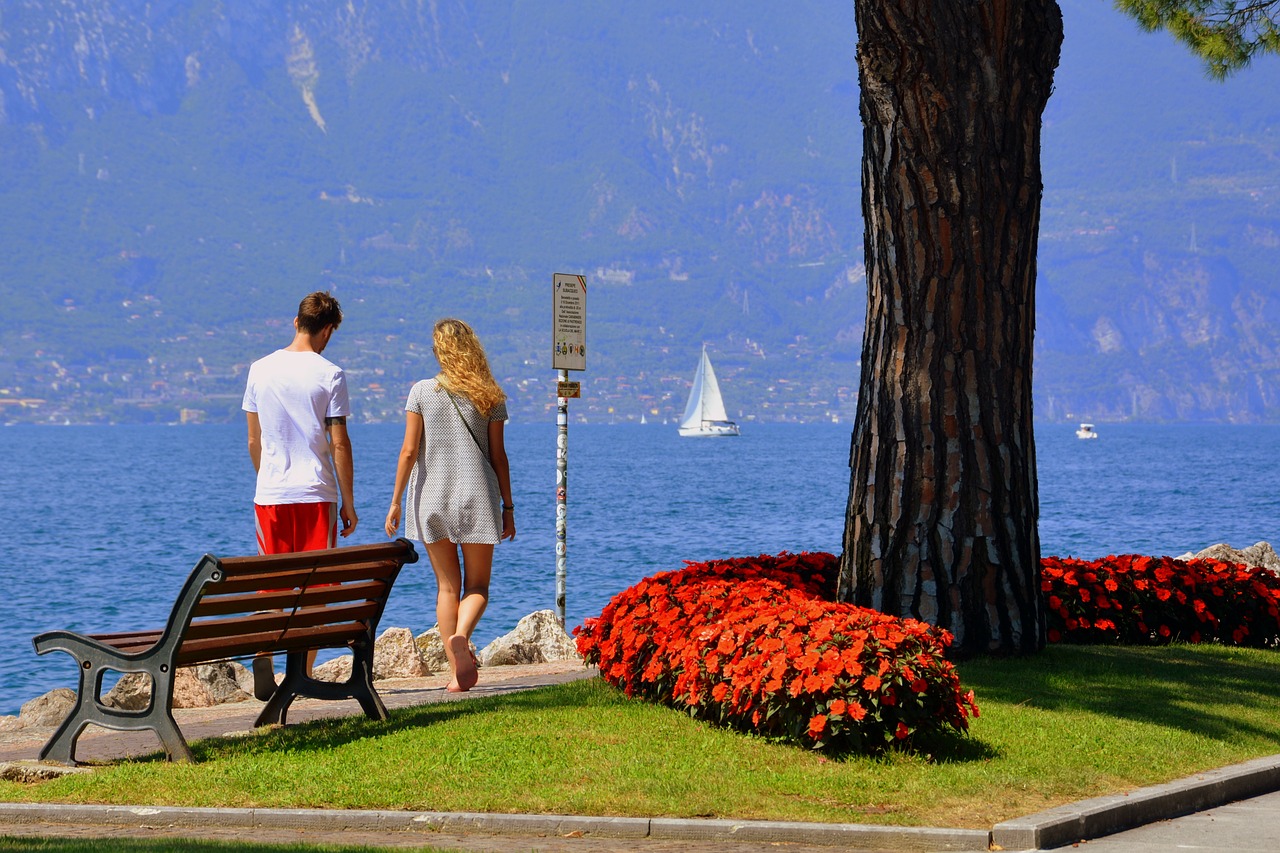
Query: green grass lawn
1070 723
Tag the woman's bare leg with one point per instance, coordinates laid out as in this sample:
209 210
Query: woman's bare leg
477 563
443 555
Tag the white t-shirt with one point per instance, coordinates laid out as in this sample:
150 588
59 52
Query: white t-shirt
293 392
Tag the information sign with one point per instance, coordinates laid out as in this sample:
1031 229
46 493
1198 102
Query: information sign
569 325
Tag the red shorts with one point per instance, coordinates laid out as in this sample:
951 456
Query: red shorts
288 528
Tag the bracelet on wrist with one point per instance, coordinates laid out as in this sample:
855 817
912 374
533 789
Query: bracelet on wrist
508 508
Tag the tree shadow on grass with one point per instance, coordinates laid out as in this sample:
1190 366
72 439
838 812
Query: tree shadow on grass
949 747
1200 689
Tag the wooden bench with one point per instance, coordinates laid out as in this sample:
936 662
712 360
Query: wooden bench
239 607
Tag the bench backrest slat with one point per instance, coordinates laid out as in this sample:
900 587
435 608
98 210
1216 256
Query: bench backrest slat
298 577
324 636
235 567
222 605
281 622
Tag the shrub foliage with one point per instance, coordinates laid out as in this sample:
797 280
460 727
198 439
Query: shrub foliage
1139 600
759 645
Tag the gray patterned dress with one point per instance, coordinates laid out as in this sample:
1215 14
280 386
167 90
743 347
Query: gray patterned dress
453 491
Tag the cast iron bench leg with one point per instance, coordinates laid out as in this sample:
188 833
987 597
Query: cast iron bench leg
361 682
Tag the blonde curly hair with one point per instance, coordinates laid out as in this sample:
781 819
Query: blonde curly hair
464 368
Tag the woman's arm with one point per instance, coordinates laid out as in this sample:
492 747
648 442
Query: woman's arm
498 458
408 455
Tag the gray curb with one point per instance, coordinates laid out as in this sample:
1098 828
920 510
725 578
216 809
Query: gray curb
1045 830
1115 812
829 834
834 835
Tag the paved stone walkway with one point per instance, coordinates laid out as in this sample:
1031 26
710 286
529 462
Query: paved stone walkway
416 840
97 744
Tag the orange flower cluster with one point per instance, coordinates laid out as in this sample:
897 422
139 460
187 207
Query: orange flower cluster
758 644
1137 600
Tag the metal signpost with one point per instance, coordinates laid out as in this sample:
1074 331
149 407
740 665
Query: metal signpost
569 333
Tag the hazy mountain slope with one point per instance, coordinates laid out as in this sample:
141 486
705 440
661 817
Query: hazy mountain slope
174 176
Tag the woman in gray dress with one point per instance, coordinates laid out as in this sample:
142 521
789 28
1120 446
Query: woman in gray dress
454 467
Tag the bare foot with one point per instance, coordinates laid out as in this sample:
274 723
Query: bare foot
464 666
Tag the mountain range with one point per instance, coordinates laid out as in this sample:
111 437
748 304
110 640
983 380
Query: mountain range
175 176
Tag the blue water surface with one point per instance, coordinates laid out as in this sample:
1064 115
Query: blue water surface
105 522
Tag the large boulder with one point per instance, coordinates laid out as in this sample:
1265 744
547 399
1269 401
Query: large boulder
395 655
337 670
431 646
48 710
1259 554
225 681
133 691
199 686
537 638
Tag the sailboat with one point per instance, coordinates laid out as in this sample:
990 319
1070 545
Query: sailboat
705 416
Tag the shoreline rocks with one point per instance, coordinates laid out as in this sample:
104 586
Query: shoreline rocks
1259 554
537 638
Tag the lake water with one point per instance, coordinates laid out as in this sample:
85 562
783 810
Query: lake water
104 523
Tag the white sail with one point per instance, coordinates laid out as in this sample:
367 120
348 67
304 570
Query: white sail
705 414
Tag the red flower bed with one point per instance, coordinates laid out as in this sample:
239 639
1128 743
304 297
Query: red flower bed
1139 600
758 645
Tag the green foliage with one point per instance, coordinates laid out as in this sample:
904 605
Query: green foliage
1225 33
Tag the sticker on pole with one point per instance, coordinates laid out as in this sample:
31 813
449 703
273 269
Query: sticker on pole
569 323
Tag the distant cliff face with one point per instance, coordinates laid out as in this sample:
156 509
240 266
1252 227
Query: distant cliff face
174 175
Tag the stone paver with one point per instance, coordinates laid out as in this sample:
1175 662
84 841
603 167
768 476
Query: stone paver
97 744
473 843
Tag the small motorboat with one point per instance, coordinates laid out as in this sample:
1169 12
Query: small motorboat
1086 431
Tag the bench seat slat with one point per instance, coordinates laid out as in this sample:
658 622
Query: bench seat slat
127 637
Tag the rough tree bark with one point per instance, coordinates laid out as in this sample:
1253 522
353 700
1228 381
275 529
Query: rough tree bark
943 505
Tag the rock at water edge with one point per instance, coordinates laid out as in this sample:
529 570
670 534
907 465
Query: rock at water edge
537 638
431 645
1259 554
48 710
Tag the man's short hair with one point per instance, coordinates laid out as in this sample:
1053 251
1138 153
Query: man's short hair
318 310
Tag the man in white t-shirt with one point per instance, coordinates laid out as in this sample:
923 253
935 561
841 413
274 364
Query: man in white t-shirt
296 403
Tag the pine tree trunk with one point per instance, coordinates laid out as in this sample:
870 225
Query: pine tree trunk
943 505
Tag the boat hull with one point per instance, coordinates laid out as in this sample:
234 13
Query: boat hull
709 430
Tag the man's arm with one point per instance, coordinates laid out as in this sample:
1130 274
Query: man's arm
255 439
344 466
